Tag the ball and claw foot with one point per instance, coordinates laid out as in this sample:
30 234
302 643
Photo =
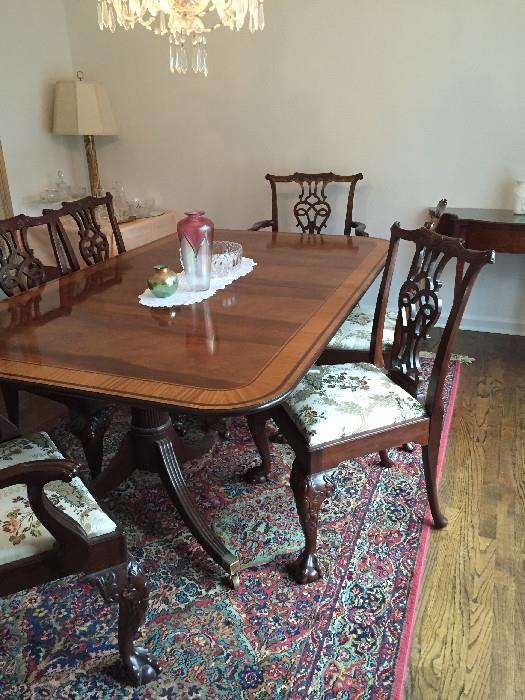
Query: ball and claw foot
141 667
306 569
256 475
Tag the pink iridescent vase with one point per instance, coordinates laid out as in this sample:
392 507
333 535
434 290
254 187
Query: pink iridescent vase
196 239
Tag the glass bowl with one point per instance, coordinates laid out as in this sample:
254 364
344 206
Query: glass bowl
226 257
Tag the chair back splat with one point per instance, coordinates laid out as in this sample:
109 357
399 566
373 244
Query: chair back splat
419 306
20 270
94 245
312 209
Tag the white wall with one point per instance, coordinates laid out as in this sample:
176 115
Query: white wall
34 53
424 97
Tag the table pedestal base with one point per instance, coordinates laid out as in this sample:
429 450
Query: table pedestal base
152 444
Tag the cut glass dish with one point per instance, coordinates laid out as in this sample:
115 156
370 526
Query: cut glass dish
226 257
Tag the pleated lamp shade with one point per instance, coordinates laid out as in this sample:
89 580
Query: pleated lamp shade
82 108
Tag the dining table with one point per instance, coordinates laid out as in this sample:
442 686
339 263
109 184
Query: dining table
241 351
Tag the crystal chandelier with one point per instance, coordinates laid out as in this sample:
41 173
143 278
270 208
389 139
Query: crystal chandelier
186 21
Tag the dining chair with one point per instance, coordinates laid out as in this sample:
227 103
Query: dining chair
353 342
338 412
312 210
93 243
20 271
52 527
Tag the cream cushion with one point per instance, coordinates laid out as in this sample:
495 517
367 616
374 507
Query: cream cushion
356 331
21 533
341 401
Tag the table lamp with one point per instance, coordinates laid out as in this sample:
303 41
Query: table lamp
82 108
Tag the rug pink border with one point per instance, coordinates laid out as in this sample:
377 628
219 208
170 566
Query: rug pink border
406 639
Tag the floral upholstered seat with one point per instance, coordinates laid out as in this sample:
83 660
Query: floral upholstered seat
356 331
21 533
341 401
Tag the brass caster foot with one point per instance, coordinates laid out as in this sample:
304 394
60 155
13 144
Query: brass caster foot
306 569
235 581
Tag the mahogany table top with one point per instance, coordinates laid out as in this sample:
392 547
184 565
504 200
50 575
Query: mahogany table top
243 349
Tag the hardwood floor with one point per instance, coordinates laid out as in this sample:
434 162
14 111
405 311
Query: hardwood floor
469 638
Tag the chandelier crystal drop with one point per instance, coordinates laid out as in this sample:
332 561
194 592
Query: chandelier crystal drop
185 21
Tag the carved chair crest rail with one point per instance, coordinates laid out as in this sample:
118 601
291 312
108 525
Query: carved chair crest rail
312 209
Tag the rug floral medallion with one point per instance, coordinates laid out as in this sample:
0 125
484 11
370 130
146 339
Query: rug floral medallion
270 638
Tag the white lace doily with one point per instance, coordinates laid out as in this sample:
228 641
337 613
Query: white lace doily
184 296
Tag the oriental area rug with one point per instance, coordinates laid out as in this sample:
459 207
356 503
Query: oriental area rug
344 637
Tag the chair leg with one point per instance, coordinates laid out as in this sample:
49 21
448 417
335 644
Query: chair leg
90 427
125 584
309 490
178 424
10 396
257 425
225 429
278 438
429 464
384 460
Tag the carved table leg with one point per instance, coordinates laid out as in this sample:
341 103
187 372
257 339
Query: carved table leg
257 425
175 485
125 584
90 426
121 468
152 444
309 491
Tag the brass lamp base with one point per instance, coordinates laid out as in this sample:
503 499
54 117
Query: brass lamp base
91 155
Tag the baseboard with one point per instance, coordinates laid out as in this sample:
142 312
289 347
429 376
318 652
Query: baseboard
491 324
483 324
